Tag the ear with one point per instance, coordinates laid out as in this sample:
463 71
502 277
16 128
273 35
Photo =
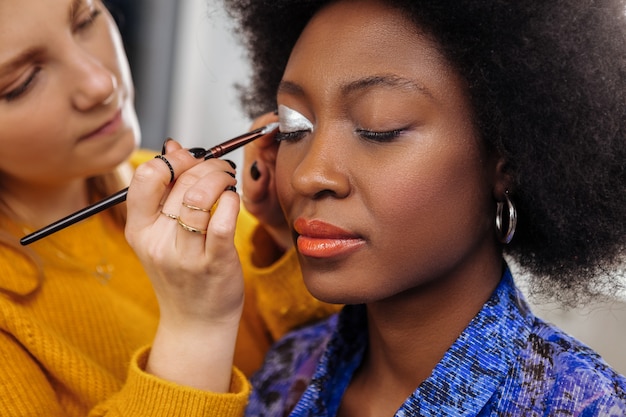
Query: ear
503 179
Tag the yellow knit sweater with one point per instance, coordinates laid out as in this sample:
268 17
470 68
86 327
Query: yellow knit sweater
78 345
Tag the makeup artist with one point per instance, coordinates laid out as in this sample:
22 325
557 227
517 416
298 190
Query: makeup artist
76 308
421 142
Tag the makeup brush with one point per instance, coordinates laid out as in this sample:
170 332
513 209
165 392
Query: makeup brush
214 152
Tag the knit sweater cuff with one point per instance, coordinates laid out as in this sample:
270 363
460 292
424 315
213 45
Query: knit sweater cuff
146 395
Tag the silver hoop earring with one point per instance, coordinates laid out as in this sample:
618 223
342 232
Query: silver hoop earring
506 237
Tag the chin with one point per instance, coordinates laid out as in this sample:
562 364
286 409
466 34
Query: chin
114 157
334 293
124 148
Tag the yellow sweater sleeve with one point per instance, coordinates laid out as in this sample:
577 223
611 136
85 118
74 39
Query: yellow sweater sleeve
146 395
277 300
78 344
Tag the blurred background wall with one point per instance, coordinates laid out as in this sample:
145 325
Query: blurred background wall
185 63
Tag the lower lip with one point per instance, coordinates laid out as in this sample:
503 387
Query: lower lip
108 128
327 248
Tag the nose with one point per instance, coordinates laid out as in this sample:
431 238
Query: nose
95 84
323 167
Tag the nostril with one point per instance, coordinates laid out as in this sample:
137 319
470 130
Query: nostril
324 193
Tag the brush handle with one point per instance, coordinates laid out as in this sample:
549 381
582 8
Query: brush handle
101 205
120 196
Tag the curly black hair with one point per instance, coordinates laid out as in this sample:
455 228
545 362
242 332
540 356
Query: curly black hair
547 81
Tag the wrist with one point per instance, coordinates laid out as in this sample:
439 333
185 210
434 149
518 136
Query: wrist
195 356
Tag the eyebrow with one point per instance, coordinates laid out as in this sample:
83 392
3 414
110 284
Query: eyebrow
288 87
381 80
385 80
19 61
30 54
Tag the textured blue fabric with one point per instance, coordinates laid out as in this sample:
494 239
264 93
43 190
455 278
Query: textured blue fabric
507 362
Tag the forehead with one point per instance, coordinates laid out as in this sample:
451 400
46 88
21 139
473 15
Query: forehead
26 12
358 39
34 24
21 20
23 16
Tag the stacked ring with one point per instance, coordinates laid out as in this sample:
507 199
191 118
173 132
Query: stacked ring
171 216
189 206
190 228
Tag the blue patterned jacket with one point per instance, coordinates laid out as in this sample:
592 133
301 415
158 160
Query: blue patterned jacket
507 362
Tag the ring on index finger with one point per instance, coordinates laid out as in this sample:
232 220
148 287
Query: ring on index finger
164 159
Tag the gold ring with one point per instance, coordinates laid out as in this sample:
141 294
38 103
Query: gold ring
171 216
189 206
189 228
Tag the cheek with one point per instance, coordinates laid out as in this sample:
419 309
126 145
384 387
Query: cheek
441 200
402 202
33 139
284 168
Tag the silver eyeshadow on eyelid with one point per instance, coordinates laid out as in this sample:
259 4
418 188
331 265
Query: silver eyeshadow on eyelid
292 121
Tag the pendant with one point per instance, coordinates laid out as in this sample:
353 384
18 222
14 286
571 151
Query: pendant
104 272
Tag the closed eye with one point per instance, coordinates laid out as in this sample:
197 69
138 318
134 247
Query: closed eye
89 20
385 136
290 136
293 125
22 88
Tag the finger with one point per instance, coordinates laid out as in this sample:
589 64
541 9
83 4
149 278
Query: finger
264 119
221 229
195 205
170 146
261 154
267 140
150 185
189 179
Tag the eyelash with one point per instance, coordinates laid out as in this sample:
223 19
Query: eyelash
290 136
369 135
386 136
21 89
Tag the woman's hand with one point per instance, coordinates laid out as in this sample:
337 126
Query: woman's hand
189 254
259 185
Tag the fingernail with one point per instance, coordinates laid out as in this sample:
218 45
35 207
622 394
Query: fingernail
254 171
164 148
230 173
197 152
232 164
231 188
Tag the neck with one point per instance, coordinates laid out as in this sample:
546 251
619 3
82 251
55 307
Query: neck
409 335
38 205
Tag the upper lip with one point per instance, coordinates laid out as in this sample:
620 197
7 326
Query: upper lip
321 230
